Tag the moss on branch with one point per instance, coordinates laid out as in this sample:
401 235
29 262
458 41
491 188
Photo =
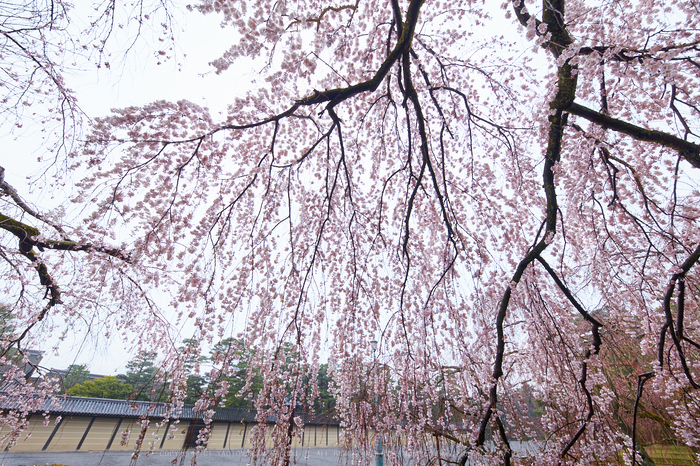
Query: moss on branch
21 230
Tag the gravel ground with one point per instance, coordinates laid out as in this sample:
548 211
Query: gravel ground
303 457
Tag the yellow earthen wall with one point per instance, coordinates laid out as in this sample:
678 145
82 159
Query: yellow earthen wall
69 433
34 438
72 429
179 433
99 434
218 434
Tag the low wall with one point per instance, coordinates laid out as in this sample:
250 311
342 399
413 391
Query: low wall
94 424
94 433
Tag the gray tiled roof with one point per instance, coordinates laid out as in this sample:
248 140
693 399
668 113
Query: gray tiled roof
84 406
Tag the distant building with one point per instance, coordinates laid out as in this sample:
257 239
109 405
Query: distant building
61 374
34 357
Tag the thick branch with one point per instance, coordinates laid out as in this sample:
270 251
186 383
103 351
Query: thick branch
589 404
334 96
688 150
630 55
668 325
25 233
595 324
69 245
553 17
641 380
27 236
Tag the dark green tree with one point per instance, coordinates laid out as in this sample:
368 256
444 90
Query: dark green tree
325 403
7 326
145 378
196 383
238 357
75 374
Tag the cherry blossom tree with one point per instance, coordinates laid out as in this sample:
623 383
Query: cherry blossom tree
54 280
500 196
